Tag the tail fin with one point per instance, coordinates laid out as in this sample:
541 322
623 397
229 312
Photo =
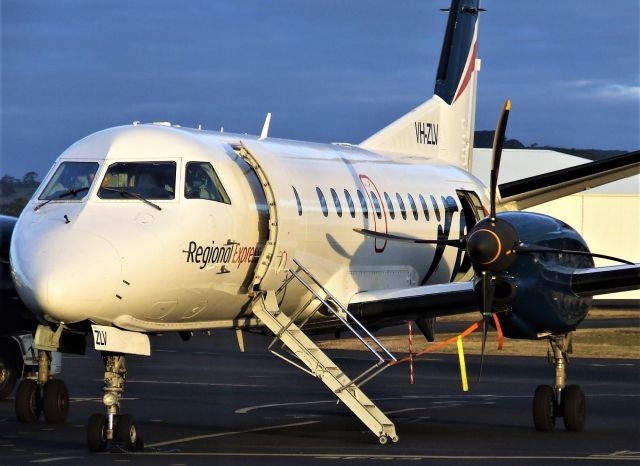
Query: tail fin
442 127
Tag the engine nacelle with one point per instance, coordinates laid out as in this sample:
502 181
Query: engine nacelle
533 294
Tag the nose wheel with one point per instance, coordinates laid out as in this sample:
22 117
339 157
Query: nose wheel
97 432
124 433
113 427
561 400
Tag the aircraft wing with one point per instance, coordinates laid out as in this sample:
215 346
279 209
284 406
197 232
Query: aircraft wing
386 307
528 192
383 308
603 280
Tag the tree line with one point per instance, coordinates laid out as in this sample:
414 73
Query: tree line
16 192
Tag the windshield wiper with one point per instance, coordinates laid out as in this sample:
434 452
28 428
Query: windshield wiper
67 193
124 192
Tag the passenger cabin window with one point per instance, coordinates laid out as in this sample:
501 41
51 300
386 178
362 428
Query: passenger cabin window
295 193
425 209
363 204
71 181
352 208
336 201
323 202
387 199
436 209
201 182
403 211
149 180
414 209
376 204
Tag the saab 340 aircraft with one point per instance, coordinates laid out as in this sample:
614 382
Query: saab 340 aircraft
155 228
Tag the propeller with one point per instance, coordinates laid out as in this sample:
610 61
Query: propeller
486 244
488 289
498 142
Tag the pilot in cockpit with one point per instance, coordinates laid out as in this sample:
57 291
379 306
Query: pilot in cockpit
198 183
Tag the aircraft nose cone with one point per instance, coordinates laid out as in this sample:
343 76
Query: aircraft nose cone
64 275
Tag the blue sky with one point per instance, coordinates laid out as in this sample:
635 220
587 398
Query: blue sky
328 70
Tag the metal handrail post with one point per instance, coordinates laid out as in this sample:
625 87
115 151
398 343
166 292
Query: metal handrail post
339 316
369 334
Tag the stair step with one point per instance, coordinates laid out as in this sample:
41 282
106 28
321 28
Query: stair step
322 366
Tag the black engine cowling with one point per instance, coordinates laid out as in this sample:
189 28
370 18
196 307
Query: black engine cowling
533 295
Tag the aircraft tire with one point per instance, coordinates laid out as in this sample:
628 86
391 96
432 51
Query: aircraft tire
8 372
544 402
574 408
96 433
28 401
126 432
55 401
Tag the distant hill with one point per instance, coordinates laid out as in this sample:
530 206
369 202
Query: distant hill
484 140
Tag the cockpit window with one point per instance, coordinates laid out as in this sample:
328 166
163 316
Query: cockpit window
149 180
201 182
71 181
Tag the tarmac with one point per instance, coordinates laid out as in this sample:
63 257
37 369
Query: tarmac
205 402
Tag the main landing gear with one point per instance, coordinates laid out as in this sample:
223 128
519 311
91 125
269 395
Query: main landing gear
114 427
565 401
42 394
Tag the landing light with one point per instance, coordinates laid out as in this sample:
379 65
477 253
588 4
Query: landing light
109 399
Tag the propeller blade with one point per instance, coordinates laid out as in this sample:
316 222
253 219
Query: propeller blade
484 345
498 141
456 243
528 249
488 288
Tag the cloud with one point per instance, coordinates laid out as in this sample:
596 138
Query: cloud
619 91
590 89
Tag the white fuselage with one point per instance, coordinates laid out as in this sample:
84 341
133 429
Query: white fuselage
193 264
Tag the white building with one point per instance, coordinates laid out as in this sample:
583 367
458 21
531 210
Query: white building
608 217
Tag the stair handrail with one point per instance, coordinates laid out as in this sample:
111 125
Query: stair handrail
344 309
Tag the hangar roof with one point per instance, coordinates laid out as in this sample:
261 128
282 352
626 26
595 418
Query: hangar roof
522 163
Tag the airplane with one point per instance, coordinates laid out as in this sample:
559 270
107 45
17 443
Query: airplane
18 356
147 229
16 318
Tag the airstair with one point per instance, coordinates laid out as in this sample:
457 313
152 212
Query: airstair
312 360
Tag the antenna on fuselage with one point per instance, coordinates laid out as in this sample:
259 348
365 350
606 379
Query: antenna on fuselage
265 127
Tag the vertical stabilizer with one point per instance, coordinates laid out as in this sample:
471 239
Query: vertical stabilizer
442 127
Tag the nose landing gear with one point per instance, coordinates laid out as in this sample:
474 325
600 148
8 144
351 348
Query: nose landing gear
114 427
561 400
